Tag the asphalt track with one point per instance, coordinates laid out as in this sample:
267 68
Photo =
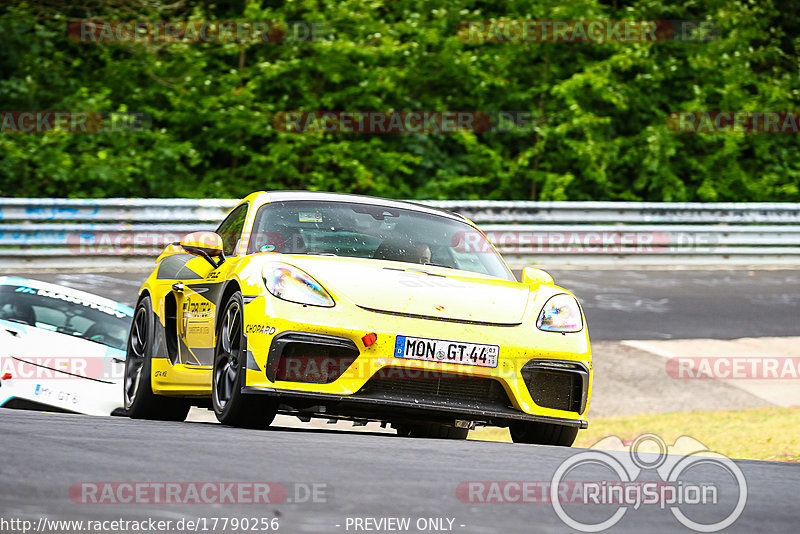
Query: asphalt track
619 304
362 476
382 476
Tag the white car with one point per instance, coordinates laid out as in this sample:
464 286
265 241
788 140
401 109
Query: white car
61 349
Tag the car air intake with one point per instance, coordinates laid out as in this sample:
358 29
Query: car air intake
557 385
309 358
435 388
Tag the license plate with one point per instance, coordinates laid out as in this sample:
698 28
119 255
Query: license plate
441 350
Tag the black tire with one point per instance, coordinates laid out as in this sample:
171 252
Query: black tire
140 401
543 433
431 430
231 406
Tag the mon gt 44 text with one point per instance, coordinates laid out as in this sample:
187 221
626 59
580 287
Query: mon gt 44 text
349 307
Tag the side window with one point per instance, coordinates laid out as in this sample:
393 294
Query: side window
231 230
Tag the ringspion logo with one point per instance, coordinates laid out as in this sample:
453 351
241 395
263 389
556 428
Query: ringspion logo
718 498
594 489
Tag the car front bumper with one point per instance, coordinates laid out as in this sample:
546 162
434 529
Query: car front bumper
358 391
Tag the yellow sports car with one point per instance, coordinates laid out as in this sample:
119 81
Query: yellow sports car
349 307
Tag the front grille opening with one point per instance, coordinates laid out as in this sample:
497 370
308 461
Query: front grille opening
441 388
559 390
309 358
315 364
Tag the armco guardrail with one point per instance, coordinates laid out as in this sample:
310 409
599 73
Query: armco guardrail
114 233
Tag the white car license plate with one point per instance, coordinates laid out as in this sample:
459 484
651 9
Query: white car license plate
441 350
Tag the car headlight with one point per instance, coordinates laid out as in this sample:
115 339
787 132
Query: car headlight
292 284
560 314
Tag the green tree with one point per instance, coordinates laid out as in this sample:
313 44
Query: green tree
599 111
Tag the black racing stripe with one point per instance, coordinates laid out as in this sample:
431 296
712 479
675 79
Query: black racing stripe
174 267
211 291
184 350
251 362
204 356
159 349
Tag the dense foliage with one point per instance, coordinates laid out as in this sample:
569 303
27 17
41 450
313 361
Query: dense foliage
599 129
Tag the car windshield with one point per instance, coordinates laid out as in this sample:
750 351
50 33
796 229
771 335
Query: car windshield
373 231
66 314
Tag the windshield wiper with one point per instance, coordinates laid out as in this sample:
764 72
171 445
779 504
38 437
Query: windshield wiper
440 265
20 321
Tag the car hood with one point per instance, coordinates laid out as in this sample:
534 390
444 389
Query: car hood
423 290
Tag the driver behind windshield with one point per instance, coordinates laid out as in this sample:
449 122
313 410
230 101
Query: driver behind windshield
423 253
